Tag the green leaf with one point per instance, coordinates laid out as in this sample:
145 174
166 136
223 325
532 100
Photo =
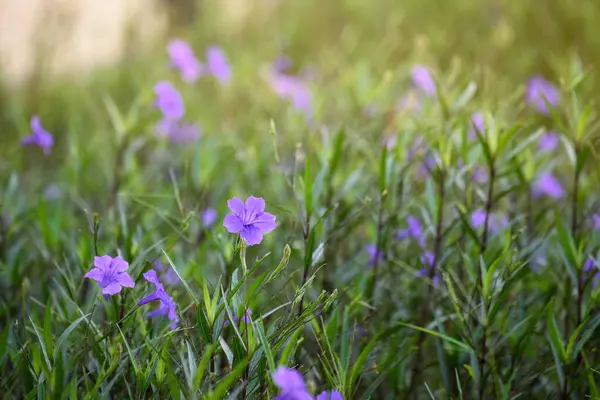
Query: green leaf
556 337
185 285
289 347
66 334
308 187
287 251
226 383
208 352
260 330
579 338
42 345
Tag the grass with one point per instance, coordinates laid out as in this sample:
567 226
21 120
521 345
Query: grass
503 311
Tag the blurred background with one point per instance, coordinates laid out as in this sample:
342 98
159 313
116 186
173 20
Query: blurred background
55 51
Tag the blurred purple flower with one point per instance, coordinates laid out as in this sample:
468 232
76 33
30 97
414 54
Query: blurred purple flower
183 58
426 167
217 64
478 218
110 274
422 80
428 260
413 230
177 131
245 319
291 385
417 147
332 395
479 175
249 220
375 255
39 136
538 89
168 274
208 217
547 185
596 221
477 124
548 142
169 101
389 141
590 268
282 63
292 88
166 305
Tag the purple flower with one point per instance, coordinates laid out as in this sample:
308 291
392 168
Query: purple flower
169 101
177 131
538 91
375 255
389 141
293 89
428 261
208 217
333 395
548 141
183 58
39 136
217 64
422 80
477 125
596 221
110 274
168 273
479 175
166 305
291 385
548 185
478 218
282 63
424 169
413 230
590 268
245 319
249 220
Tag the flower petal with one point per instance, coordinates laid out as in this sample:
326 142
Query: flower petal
96 274
236 205
111 289
251 235
265 222
102 262
233 223
125 280
151 297
119 265
255 205
288 379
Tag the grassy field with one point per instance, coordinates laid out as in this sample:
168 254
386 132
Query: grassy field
333 199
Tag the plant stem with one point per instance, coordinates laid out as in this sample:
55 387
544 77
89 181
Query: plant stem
307 258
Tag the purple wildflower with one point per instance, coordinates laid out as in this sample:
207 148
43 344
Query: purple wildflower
167 305
375 255
590 268
389 141
479 175
208 217
539 91
422 80
477 125
110 274
183 58
333 395
424 169
168 274
292 88
291 385
548 185
596 221
169 101
282 63
245 319
39 136
428 261
178 132
478 218
413 230
218 65
249 220
548 142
